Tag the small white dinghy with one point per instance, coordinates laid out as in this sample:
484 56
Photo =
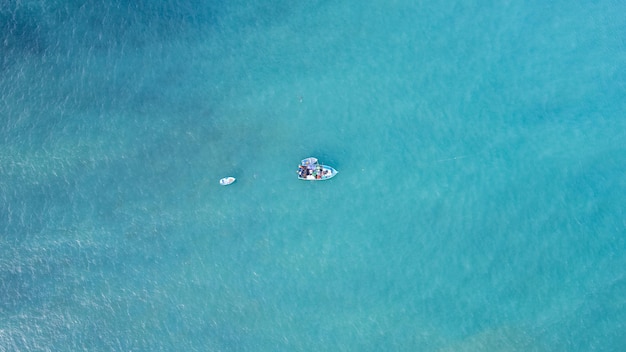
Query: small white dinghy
227 181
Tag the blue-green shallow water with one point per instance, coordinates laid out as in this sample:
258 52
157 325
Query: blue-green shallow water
479 204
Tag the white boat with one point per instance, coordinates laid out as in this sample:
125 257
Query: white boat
227 180
311 170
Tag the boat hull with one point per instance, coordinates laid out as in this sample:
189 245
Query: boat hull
227 181
327 173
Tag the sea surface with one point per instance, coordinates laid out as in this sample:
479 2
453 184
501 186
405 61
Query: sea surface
479 206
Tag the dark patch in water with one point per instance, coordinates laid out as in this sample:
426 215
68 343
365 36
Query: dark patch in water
132 24
20 34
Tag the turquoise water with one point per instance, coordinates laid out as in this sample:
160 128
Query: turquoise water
479 204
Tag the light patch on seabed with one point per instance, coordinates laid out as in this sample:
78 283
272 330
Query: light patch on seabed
54 272
83 279
36 166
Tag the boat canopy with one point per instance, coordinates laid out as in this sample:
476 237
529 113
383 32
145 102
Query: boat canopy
309 162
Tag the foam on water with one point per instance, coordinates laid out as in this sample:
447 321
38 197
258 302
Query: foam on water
478 205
